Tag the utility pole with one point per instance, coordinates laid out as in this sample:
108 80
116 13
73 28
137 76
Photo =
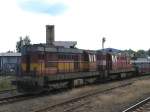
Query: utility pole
103 41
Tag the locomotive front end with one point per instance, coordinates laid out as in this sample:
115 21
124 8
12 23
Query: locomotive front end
29 79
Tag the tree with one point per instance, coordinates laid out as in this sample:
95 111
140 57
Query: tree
22 42
26 40
129 53
141 54
148 52
19 44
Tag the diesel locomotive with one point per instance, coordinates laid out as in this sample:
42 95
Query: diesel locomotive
48 66
45 67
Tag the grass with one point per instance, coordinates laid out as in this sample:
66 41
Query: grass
5 83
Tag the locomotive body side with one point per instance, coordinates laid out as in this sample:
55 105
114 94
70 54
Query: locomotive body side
44 66
119 66
90 60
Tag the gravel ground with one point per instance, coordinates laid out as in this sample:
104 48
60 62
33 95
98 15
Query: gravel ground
112 101
118 99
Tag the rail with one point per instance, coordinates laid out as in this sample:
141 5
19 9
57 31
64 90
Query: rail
75 99
7 90
11 99
137 105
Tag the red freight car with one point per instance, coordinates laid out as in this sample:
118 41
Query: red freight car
143 65
89 60
120 62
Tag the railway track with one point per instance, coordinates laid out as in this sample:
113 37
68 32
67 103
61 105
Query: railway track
70 104
16 98
8 90
11 99
142 106
75 102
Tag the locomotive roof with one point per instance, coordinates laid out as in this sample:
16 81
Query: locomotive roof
111 50
66 44
48 48
90 51
113 53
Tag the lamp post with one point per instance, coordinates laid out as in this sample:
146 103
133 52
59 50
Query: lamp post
103 41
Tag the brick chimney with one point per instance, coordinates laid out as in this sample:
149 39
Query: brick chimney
50 37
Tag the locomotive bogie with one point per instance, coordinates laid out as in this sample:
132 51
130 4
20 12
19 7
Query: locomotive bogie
30 84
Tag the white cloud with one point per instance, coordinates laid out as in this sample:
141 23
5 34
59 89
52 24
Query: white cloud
38 6
125 24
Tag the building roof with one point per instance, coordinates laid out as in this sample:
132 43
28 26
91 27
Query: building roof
111 50
10 54
66 44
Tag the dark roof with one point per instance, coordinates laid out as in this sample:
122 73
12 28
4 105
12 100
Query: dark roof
66 44
90 51
48 48
10 54
111 50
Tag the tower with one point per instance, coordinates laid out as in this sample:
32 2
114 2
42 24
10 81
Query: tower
50 37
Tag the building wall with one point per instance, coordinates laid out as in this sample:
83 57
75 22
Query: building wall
9 63
0 63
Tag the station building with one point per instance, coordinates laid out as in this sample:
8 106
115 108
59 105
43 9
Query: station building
9 61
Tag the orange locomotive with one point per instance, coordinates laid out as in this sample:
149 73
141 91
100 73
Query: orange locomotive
44 67
43 60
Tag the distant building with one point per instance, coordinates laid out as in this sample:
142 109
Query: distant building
111 50
50 38
9 61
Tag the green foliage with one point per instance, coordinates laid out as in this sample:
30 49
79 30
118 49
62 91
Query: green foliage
148 52
22 42
130 53
141 54
19 44
26 40
138 54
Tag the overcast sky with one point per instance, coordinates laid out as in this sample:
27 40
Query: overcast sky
124 23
